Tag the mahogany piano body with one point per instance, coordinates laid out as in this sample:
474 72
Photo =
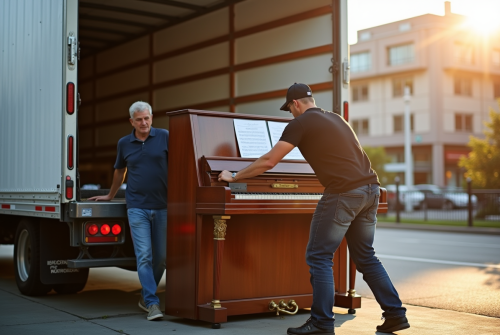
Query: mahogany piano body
261 258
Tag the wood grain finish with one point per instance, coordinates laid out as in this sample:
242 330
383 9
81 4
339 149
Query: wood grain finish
264 249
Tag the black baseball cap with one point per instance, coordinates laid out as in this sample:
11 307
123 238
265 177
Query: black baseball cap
296 91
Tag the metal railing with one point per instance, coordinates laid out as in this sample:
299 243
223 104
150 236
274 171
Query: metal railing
444 205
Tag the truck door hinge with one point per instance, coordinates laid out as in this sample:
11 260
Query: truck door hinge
334 69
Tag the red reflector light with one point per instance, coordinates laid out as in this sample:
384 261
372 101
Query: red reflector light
116 229
5 206
69 188
93 229
346 111
105 229
50 209
70 98
70 152
101 239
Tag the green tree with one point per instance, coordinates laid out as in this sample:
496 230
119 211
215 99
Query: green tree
378 158
482 164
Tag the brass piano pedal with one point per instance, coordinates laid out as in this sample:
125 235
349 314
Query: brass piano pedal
283 307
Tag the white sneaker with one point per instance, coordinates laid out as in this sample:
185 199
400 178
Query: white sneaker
154 312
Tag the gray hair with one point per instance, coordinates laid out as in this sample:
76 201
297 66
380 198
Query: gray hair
139 106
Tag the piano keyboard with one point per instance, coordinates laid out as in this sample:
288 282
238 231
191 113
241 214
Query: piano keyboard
277 196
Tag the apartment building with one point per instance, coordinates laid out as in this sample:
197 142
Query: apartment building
454 77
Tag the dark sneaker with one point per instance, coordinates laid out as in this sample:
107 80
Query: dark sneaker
154 312
393 324
142 305
308 328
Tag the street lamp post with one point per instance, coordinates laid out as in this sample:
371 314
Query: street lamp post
408 154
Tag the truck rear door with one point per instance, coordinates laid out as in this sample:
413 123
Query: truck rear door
70 102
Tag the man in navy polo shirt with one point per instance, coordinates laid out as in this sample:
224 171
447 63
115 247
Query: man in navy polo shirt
144 155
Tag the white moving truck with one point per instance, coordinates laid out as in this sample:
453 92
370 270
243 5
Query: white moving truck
224 55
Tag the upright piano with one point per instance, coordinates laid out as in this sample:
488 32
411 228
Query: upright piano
239 248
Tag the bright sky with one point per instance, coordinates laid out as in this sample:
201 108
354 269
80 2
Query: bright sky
370 13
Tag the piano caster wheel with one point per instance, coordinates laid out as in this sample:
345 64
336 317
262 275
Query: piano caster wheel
215 325
351 311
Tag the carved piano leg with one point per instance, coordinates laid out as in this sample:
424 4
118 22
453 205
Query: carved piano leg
352 282
219 237
214 312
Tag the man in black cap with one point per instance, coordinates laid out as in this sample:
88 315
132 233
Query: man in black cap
348 207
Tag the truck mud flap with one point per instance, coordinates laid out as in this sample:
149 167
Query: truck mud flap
54 254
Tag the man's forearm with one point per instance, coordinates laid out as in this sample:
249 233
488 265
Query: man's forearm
258 167
118 177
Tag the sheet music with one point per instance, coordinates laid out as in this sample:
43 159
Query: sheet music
276 130
253 137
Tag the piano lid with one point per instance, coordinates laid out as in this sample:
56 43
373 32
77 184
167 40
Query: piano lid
237 163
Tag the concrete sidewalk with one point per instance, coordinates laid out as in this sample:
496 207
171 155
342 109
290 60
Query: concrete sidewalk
449 229
21 315
99 310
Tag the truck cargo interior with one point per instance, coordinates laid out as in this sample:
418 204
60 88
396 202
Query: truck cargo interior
230 56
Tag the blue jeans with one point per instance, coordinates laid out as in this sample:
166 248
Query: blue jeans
351 214
148 228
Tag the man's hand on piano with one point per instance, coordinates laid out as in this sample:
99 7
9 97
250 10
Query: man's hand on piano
226 176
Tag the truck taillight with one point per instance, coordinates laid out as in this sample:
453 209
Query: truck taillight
346 111
70 152
116 229
70 98
103 232
93 229
105 229
69 188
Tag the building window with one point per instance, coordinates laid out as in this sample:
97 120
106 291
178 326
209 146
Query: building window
365 36
399 125
463 122
495 57
360 92
405 26
464 53
496 89
360 127
463 85
361 62
398 86
401 54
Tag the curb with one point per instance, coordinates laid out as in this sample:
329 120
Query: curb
449 229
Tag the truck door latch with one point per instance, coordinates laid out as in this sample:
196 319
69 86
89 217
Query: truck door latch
72 51
346 72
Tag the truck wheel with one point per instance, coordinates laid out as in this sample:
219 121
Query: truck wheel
72 288
27 259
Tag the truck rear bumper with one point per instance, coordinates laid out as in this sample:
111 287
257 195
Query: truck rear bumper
94 209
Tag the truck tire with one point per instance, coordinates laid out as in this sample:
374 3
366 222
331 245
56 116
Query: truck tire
27 259
72 288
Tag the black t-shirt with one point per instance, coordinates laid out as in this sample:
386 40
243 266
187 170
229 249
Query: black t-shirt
332 149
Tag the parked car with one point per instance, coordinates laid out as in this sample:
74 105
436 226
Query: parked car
445 199
406 194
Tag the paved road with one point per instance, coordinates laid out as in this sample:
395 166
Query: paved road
459 272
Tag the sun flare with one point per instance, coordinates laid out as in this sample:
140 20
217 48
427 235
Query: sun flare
483 21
